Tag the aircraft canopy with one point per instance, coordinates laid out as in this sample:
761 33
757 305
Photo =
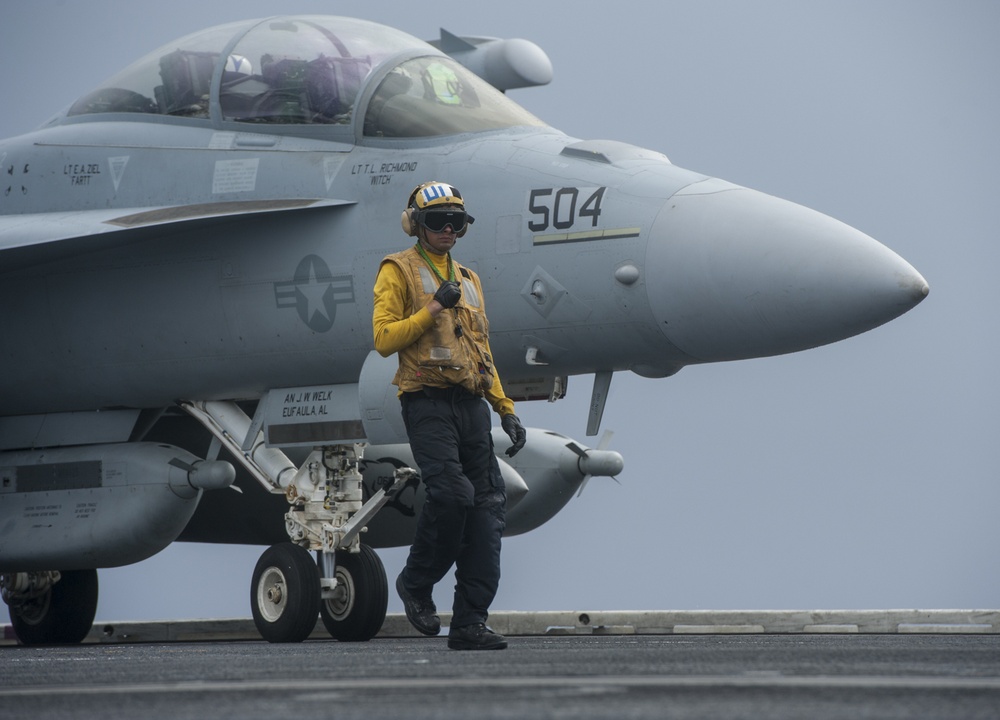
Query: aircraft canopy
306 71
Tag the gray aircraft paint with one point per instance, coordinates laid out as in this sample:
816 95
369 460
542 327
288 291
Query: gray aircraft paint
149 259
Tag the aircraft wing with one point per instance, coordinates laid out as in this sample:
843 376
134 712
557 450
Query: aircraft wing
32 238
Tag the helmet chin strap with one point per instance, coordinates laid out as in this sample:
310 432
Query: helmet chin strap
422 240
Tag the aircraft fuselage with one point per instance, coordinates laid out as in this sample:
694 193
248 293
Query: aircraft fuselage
231 306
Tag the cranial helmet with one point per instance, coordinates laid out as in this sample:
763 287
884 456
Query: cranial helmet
427 196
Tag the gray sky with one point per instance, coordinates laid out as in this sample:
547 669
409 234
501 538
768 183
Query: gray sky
865 474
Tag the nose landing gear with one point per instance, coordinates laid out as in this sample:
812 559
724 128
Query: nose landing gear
346 584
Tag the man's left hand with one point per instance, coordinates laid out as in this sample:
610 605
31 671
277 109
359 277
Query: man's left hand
511 425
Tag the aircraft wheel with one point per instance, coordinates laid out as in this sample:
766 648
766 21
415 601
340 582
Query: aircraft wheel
63 615
357 611
285 594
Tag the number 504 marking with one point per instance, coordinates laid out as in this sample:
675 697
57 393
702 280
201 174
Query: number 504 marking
561 208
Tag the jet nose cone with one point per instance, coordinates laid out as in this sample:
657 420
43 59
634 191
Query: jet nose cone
743 274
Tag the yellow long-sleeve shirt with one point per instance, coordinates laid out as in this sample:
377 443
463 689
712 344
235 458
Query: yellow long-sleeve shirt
394 330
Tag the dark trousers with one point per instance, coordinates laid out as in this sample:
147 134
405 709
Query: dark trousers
462 519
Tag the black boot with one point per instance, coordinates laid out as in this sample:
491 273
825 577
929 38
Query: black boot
475 637
421 612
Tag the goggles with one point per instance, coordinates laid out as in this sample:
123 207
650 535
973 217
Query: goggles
438 220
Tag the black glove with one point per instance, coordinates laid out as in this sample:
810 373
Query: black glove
511 425
448 294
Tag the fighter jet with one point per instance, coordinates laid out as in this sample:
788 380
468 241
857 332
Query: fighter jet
187 255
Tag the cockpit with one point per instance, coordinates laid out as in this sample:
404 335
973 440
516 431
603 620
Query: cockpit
287 74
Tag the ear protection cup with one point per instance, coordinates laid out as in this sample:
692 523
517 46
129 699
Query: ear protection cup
409 226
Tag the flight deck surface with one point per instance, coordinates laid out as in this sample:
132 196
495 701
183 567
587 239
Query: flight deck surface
633 676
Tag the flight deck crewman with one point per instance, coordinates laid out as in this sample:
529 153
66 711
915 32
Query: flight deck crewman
429 310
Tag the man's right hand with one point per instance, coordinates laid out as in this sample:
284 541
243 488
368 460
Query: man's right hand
448 294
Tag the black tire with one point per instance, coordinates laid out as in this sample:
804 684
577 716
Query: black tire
63 615
358 611
285 594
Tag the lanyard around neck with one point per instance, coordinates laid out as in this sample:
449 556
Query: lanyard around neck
433 267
